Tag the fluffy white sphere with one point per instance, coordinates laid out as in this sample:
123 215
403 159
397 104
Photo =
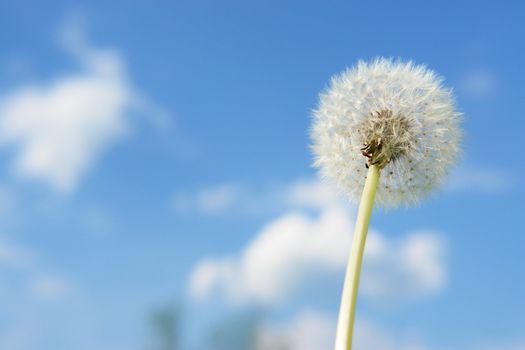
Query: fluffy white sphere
394 114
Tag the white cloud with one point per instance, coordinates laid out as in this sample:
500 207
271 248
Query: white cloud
312 330
278 259
407 268
60 128
485 180
289 252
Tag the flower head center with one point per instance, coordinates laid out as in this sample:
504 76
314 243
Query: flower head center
386 136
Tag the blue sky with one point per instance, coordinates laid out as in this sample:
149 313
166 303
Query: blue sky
156 153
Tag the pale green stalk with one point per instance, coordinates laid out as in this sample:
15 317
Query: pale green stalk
345 324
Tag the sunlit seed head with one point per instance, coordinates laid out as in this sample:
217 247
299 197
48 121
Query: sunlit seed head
395 115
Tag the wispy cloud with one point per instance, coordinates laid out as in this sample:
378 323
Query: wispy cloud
502 345
209 200
33 279
483 180
239 198
13 255
60 128
314 330
49 287
479 83
288 252
309 330
308 193
313 194
225 198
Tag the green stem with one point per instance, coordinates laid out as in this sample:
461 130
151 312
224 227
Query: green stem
345 324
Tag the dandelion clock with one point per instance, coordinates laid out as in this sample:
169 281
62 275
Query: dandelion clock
385 132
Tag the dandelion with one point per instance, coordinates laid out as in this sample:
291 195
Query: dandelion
387 131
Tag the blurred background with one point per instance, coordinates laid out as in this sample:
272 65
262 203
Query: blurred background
156 188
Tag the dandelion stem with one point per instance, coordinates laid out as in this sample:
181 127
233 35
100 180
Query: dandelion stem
345 324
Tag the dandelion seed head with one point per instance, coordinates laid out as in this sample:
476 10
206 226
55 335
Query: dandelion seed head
393 114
